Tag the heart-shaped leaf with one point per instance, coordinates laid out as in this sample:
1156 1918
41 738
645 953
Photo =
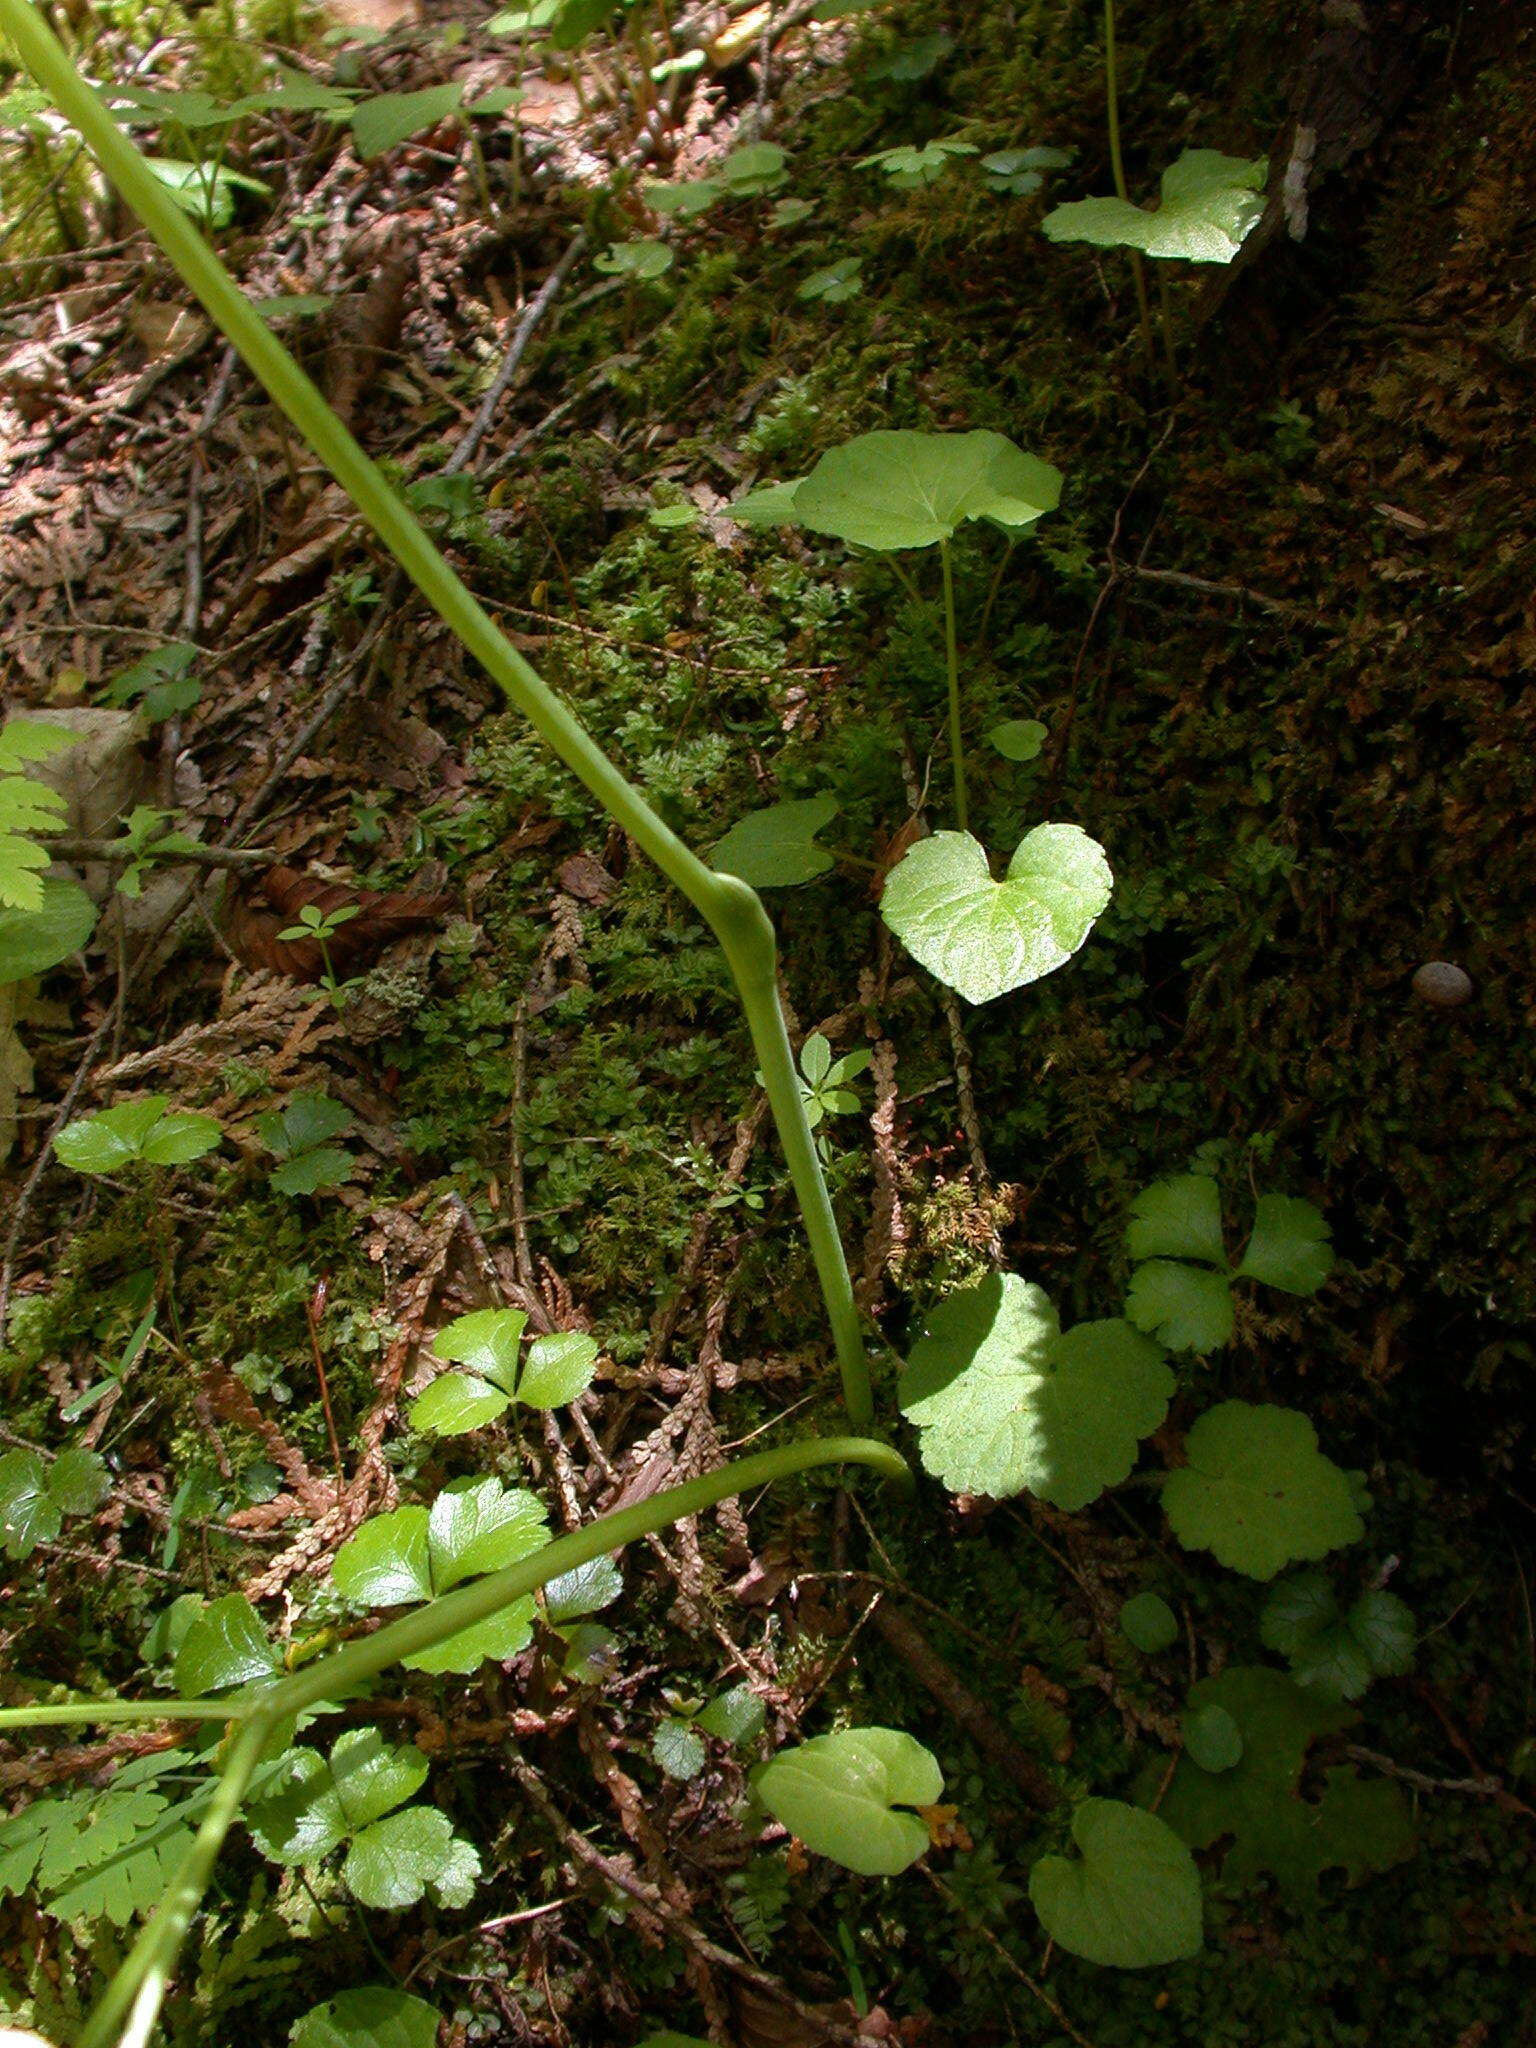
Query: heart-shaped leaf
1008 1403
984 938
1210 204
775 848
902 489
1134 1898
1258 1492
375 2016
842 1795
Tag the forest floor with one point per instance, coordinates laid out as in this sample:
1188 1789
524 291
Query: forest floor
1281 637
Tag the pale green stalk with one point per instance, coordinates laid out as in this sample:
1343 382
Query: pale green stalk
732 910
127 2012
952 663
1112 95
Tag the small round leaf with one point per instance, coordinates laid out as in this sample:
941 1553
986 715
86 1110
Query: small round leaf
1212 1738
1149 1622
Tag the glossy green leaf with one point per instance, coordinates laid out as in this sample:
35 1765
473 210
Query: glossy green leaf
27 1516
1009 1403
843 1796
375 2016
1257 1491
388 1562
456 1402
315 1803
1149 1622
224 1646
399 1859
775 848
1210 203
1212 1739
903 489
755 167
208 191
1178 1218
78 1481
1186 1308
586 1590
1133 1898
984 938
558 1368
393 117
1289 1248
487 1342
1018 739
736 1716
33 941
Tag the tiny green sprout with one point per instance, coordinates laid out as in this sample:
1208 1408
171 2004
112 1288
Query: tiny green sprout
1018 172
321 926
147 1132
911 166
834 283
162 681
638 261
673 518
487 1343
144 841
825 1088
299 1136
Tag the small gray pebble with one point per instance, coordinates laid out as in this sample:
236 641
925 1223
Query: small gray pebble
1438 982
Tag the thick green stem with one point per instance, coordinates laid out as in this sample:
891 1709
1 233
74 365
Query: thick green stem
952 663
1112 98
132 2000
104 1713
732 910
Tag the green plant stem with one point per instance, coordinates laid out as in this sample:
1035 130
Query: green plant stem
952 664
133 1998
1112 101
733 911
104 1713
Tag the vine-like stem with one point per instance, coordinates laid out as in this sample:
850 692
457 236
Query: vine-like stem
126 2014
733 911
952 666
1112 99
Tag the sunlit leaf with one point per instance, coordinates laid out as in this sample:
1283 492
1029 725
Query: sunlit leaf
1210 204
843 1795
1257 1491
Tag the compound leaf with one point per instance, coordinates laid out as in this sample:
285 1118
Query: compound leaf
388 1561
1134 1897
775 848
984 938
1257 1491
1008 1403
558 1368
1335 1654
842 1795
148 1129
1289 1248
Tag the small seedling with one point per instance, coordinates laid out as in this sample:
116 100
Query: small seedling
1182 1289
321 926
496 1377
850 1796
148 1132
911 166
1015 173
835 283
299 1136
162 681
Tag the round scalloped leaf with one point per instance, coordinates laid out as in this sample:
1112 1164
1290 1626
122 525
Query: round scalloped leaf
677 1749
32 941
1210 203
394 1862
842 1794
1258 1492
1212 1738
902 489
1008 1403
639 260
558 1368
1289 1247
1179 1218
984 938
387 1563
1133 1900
313 1803
225 1645
374 2016
476 1526
586 1589
1187 1308
1018 739
1149 1622
776 848
1331 1653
